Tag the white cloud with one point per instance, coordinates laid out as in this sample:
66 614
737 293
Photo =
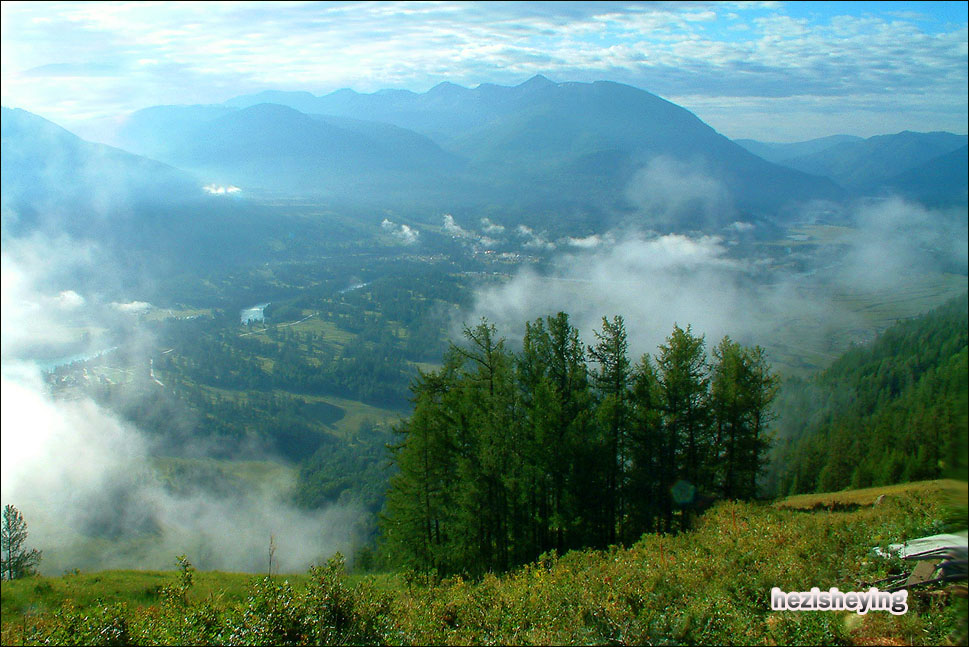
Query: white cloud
593 240
533 239
404 233
453 228
133 307
491 228
667 190
76 470
656 280
218 189
121 56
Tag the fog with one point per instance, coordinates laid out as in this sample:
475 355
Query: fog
84 479
674 192
797 301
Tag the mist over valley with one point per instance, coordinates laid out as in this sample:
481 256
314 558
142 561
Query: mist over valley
234 317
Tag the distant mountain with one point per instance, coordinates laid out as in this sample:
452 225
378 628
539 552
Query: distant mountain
149 131
54 180
778 152
544 143
942 181
867 164
142 215
277 149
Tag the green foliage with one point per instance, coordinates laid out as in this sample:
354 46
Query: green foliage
706 586
17 561
891 412
510 455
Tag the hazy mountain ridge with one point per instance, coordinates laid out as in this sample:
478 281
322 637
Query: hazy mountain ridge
868 164
538 145
778 152
942 181
48 170
276 148
564 155
143 216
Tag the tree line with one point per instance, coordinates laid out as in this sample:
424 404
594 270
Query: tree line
559 446
888 412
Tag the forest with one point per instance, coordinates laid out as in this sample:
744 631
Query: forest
562 446
889 412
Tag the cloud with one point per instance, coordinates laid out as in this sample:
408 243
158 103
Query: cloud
713 58
896 240
453 228
491 228
593 240
532 239
133 307
218 189
39 314
667 190
404 233
794 305
86 480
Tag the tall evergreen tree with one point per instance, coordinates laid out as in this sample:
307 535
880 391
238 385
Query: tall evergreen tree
611 380
741 391
647 450
683 386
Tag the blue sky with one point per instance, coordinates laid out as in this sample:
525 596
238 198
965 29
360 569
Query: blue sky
774 71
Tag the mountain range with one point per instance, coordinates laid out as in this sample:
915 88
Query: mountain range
576 157
928 167
536 146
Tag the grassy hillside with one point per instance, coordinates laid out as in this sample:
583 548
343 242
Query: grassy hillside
950 490
707 586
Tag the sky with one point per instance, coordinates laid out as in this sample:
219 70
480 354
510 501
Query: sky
772 71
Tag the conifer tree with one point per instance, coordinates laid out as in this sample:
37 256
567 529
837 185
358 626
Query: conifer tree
612 384
17 560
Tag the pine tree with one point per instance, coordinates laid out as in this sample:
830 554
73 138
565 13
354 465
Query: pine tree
17 561
612 385
646 450
683 383
741 391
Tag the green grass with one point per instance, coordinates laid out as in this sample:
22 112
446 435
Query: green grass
256 475
161 314
947 490
356 413
36 596
707 586
328 331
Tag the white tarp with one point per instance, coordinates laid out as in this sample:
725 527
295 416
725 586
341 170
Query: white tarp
924 544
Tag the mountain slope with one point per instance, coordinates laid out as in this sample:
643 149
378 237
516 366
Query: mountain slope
275 148
777 152
868 164
143 217
886 413
48 172
602 134
942 181
543 143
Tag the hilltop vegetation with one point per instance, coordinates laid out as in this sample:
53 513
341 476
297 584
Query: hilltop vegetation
509 455
707 586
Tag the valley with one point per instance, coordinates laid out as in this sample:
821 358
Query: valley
458 323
